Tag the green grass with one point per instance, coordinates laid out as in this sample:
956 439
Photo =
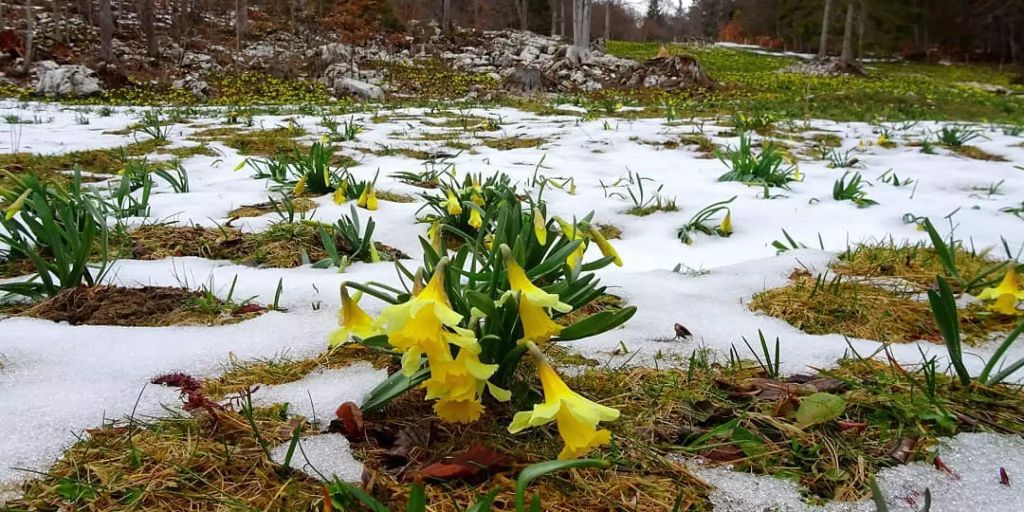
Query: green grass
891 90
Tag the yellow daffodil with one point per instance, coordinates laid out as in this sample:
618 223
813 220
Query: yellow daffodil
340 195
17 205
434 235
452 204
353 320
576 416
374 255
371 199
797 175
241 165
1006 295
533 303
489 241
603 244
725 228
572 232
475 219
324 139
458 411
425 325
300 186
540 229
883 140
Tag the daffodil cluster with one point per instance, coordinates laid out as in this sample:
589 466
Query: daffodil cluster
462 331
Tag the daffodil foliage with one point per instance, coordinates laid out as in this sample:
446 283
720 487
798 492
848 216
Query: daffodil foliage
315 171
467 319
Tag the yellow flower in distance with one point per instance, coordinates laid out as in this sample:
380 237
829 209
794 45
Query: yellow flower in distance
475 219
371 199
300 186
533 301
353 320
573 233
577 417
725 228
452 204
1006 295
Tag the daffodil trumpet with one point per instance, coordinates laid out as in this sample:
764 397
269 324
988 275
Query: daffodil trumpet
577 417
1005 297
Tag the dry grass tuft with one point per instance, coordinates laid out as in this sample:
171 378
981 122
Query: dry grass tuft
300 204
869 310
915 263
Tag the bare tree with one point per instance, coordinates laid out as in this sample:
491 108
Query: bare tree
579 52
522 12
607 20
30 32
553 4
106 32
146 20
446 14
561 8
241 20
847 56
58 19
826 20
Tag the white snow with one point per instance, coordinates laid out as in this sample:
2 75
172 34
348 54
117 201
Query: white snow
975 458
58 380
320 393
325 457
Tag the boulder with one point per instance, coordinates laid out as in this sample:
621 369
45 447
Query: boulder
195 85
66 80
358 88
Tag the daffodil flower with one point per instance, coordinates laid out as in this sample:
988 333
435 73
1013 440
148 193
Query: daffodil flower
572 232
340 193
241 164
434 234
603 244
374 255
577 417
425 325
452 204
17 205
725 228
1006 295
353 320
540 229
533 303
371 200
797 175
475 219
300 186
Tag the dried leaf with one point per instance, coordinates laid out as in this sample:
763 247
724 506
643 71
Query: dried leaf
729 453
903 450
1003 477
351 421
179 380
248 309
477 460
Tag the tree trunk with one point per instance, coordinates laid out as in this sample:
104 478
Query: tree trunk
862 22
607 20
30 32
579 53
825 22
847 56
446 13
106 32
146 20
554 17
241 20
561 8
523 8
58 19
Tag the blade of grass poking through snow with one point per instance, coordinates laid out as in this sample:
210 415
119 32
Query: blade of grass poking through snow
534 471
998 356
349 497
943 306
286 465
878 497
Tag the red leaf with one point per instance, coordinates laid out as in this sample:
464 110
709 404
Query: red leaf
1003 477
852 426
478 459
247 309
352 421
179 380
939 464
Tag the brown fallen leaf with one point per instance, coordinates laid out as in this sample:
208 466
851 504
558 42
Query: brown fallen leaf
479 459
1003 477
410 443
351 418
827 385
729 453
855 427
247 309
903 449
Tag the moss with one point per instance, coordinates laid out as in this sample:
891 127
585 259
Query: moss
510 143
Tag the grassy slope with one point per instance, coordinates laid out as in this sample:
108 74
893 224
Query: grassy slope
891 91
